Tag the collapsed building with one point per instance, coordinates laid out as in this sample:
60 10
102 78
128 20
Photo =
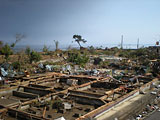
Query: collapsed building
59 96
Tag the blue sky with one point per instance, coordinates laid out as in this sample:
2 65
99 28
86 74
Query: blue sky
100 22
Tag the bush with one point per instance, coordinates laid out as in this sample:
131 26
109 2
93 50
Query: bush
34 56
16 65
97 61
28 51
77 58
45 49
6 51
57 104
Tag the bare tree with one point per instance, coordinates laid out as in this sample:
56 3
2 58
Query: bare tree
56 44
19 37
78 39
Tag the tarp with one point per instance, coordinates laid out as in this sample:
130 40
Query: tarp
3 72
41 66
61 118
49 68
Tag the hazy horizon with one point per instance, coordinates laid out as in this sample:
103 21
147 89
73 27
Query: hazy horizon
52 47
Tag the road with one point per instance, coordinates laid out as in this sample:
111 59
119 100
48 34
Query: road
154 116
128 108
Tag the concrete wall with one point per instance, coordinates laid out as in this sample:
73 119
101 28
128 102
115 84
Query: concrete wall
38 86
38 91
24 95
85 94
87 100
105 85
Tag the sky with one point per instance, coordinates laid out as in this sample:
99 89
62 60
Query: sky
100 22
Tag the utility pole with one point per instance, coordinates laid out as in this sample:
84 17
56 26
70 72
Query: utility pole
122 42
138 43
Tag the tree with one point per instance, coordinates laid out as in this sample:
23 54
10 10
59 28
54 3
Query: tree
56 44
19 37
34 56
78 39
16 65
6 51
45 48
28 51
1 44
91 49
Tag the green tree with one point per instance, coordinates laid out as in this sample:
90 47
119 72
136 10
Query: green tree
45 48
91 50
16 65
6 51
28 51
34 56
1 44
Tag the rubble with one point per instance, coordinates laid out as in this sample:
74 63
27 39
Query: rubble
68 91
